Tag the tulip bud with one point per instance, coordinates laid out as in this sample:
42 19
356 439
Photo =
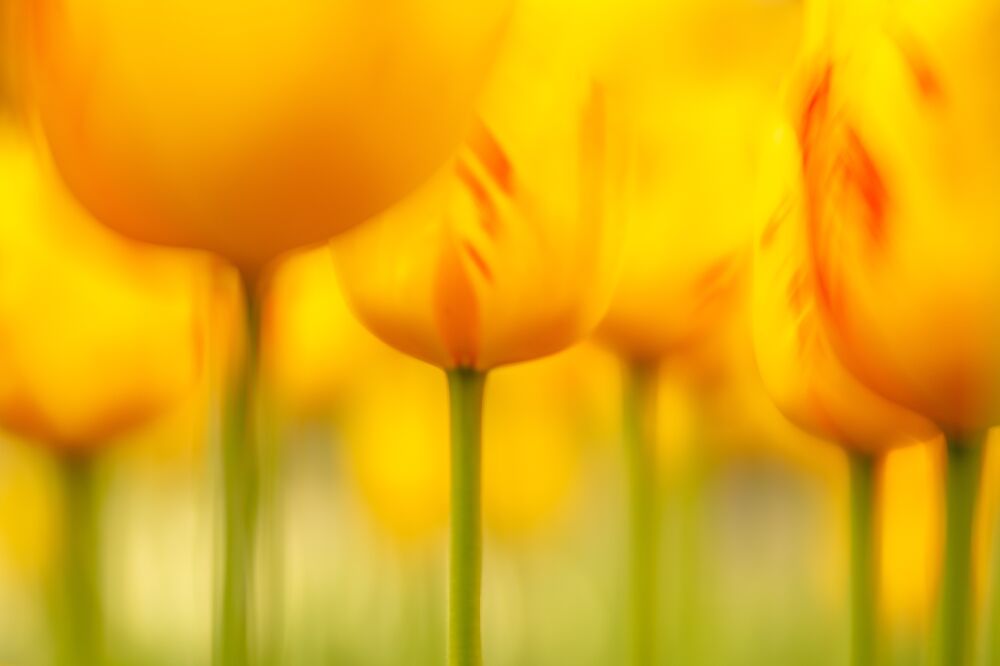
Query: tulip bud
508 255
96 336
689 95
251 127
901 155
800 370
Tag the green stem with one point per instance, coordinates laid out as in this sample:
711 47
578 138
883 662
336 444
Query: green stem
271 526
78 611
465 388
956 616
639 411
240 471
689 587
992 623
864 560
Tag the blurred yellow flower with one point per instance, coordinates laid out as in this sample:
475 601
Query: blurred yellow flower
911 534
800 370
395 435
898 122
688 95
96 335
508 255
314 349
534 446
537 441
250 127
29 511
391 413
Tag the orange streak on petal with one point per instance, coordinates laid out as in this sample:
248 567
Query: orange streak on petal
864 177
478 260
489 215
456 307
927 80
493 157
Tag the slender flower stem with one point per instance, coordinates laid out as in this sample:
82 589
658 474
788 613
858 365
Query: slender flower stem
77 607
687 609
639 412
864 561
271 526
992 620
465 387
240 471
956 615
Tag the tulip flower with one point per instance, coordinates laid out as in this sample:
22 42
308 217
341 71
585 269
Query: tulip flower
806 378
896 117
400 465
249 129
181 122
689 90
96 338
506 256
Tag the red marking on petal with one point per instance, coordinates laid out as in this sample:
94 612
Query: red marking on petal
489 214
493 157
818 155
717 275
778 217
927 81
844 188
863 177
478 260
456 307
815 112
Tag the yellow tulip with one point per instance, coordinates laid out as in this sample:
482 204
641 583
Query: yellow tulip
537 418
687 89
689 95
901 155
507 255
896 115
96 335
808 382
800 369
250 127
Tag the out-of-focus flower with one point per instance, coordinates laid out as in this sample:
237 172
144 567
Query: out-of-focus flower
392 414
689 93
314 348
534 446
542 428
800 370
29 527
250 127
910 526
395 435
508 255
901 155
96 335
